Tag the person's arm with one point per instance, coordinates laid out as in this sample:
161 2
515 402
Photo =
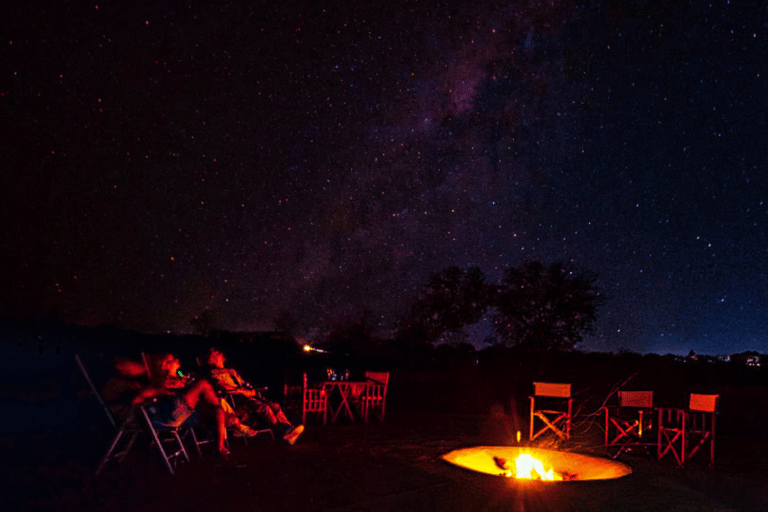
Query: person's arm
175 382
224 380
243 387
148 393
247 392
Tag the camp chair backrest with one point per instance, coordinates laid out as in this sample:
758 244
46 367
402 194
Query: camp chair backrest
639 399
552 389
703 403
374 396
314 400
95 391
380 377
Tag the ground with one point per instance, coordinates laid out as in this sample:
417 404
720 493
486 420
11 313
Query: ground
394 465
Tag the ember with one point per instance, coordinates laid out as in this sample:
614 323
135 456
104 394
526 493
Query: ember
536 463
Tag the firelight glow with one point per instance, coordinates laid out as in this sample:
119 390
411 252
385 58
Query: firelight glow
529 467
530 463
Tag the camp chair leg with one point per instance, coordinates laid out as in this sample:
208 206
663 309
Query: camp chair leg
531 415
668 437
166 457
706 436
111 451
194 440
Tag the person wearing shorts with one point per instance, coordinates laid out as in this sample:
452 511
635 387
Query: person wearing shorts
173 400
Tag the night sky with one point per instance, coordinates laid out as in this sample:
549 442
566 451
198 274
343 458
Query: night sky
318 159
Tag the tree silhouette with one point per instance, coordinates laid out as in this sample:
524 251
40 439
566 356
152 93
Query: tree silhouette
451 299
546 309
205 322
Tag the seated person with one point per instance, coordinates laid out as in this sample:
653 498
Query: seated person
129 379
256 407
177 397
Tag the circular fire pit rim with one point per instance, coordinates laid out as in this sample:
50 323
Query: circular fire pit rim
488 457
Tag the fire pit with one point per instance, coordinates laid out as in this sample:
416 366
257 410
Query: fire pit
536 463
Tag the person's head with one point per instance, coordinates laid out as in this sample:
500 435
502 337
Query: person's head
215 357
129 368
168 364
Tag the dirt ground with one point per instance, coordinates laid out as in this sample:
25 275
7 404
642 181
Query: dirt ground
390 466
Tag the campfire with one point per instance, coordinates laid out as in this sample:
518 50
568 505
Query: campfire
522 463
529 467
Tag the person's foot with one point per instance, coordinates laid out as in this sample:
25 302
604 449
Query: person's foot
293 434
224 455
245 431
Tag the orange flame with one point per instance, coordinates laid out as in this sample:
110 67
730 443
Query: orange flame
529 467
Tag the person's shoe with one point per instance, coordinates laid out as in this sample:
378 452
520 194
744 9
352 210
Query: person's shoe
293 434
245 431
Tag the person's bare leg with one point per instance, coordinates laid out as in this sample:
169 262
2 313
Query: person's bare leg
221 430
280 415
203 389
271 418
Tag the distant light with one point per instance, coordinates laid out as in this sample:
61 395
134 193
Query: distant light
309 348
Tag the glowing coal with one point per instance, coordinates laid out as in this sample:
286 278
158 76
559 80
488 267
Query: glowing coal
536 463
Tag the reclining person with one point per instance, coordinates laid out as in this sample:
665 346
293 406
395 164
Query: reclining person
129 379
256 407
177 398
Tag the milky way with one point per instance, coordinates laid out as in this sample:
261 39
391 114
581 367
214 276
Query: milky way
320 159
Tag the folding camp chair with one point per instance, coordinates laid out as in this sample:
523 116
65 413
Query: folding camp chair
95 391
374 395
314 401
558 413
628 423
683 432
167 439
126 427
230 406
188 430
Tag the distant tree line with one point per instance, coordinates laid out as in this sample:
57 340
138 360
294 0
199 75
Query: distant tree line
535 307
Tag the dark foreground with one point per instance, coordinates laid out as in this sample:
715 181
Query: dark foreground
379 467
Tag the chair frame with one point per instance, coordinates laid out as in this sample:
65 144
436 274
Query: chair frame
139 422
188 430
684 432
230 399
313 400
628 422
375 394
95 391
557 420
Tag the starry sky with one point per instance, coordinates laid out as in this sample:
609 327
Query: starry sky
319 159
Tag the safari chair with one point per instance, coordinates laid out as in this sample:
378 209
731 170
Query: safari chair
314 401
628 423
374 396
554 410
683 432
